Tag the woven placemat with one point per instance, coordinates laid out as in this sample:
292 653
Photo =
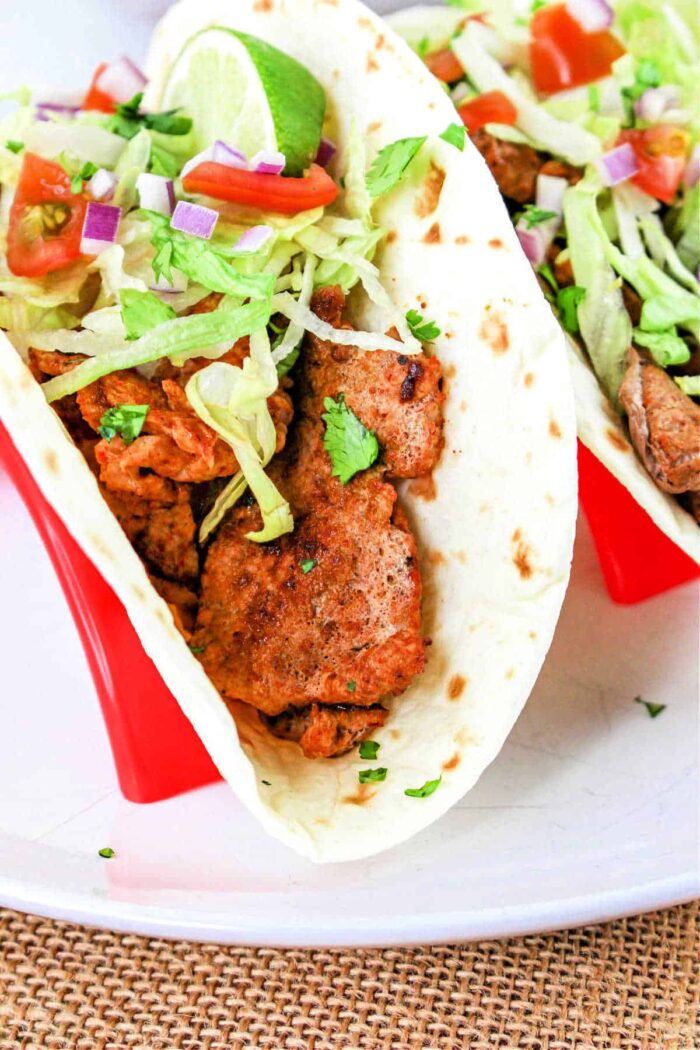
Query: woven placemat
627 985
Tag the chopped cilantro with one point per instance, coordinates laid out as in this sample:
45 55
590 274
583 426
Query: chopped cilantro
77 175
351 686
372 776
369 749
390 164
348 442
287 363
142 311
537 4
197 648
128 120
533 215
425 331
546 272
594 97
14 146
307 564
428 788
647 75
456 135
653 709
107 852
125 420
266 783
567 303
423 47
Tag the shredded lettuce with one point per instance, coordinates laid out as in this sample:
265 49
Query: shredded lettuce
134 160
304 318
666 346
294 333
356 198
16 315
684 226
689 385
664 253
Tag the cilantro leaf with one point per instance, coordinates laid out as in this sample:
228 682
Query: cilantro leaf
423 47
107 852
347 441
307 564
372 776
390 164
77 174
533 215
567 303
287 363
425 331
369 749
14 145
196 648
128 120
653 709
351 686
428 788
547 273
646 75
125 420
456 135
537 4
142 311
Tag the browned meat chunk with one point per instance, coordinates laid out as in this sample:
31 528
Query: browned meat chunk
562 171
692 503
664 424
162 534
515 166
182 603
323 732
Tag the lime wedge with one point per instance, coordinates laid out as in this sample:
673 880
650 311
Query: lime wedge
242 90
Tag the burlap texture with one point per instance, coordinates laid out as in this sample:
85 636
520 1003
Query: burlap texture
627 985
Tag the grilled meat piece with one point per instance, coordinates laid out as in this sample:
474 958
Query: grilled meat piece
323 731
163 534
664 424
515 166
182 602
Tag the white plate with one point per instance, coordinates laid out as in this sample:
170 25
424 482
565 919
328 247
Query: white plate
590 811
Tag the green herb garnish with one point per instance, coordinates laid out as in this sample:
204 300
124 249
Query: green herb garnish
390 164
428 788
372 776
266 783
426 331
123 420
547 273
647 75
348 442
107 852
14 146
456 135
369 749
196 648
128 120
423 47
77 175
533 215
142 311
653 709
567 303
307 564
351 686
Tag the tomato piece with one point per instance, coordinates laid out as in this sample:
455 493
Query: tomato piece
97 99
46 220
276 193
564 55
493 107
444 65
661 153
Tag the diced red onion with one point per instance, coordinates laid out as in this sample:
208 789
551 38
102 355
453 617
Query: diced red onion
222 153
591 15
654 103
550 193
100 227
156 193
325 153
194 219
46 110
268 162
618 165
692 171
254 238
532 243
102 185
121 80
178 284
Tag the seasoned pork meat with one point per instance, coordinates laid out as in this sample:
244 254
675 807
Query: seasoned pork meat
515 166
664 424
322 731
182 602
163 534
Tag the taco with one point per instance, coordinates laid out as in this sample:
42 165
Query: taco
332 480
587 117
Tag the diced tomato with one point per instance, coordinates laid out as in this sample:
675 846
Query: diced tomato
46 220
276 193
661 153
564 55
97 99
444 65
493 107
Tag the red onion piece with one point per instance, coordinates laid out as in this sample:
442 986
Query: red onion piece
222 153
194 219
100 227
121 80
268 162
618 165
532 243
102 185
591 15
653 104
326 151
254 238
47 110
692 171
550 193
156 193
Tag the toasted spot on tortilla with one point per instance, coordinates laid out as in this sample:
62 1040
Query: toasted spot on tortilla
361 796
372 64
374 126
522 556
51 461
510 673
25 380
528 378
463 406
263 5
436 557
139 592
496 242
462 239
554 428
616 439
460 556
450 371
549 498
380 41
456 686
532 634
391 236
433 236
494 331
424 487
365 22
453 762
429 197
395 734
100 545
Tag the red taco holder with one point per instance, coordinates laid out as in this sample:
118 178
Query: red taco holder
156 751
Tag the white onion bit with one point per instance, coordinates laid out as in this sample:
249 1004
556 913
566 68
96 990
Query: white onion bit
254 238
550 193
222 153
655 103
156 193
121 80
268 162
102 185
591 15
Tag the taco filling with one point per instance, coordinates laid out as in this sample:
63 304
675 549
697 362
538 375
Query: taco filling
185 306
587 118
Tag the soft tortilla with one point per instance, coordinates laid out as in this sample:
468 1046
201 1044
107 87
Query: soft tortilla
495 540
599 426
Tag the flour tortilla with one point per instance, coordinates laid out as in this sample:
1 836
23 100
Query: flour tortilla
600 427
496 539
